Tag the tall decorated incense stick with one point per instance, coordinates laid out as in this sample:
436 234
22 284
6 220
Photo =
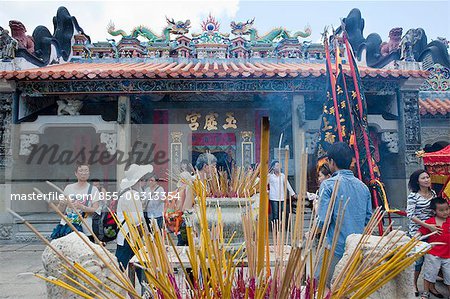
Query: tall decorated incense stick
263 222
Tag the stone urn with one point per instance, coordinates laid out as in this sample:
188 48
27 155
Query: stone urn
232 209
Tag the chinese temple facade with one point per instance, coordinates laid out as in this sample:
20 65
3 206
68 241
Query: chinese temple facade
176 95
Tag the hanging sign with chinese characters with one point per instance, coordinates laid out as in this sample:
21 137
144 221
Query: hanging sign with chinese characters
210 122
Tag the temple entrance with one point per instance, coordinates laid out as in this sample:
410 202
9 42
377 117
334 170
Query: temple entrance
225 160
221 145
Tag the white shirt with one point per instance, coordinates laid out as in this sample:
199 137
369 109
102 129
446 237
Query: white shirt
276 187
75 193
130 203
154 202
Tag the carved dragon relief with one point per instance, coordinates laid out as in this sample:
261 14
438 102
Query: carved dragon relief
246 28
178 28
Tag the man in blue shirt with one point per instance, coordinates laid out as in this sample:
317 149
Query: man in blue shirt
359 208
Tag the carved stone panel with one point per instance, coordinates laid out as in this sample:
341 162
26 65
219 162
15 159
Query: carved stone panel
176 154
247 148
411 119
5 129
301 114
409 103
311 139
391 141
412 162
433 135
110 141
26 143
5 231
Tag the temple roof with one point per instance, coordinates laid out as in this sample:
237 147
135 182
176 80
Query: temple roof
193 69
434 106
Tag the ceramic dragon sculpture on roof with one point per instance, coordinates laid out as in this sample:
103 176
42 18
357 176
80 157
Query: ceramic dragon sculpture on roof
173 27
246 28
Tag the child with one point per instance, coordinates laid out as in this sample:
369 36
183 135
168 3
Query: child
439 256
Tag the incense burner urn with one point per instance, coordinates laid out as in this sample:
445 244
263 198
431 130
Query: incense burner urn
231 209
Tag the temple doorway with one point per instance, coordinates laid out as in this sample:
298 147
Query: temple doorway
221 145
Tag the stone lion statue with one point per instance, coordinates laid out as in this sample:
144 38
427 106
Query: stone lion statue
18 31
69 107
395 37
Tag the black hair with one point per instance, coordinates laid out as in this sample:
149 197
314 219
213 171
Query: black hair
341 154
78 164
413 183
436 201
272 164
95 180
184 161
325 169
205 159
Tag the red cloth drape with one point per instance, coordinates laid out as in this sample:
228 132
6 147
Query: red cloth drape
440 157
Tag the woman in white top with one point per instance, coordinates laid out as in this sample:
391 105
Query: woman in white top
417 210
131 204
276 190
154 201
323 174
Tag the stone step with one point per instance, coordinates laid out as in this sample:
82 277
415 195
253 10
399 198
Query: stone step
43 222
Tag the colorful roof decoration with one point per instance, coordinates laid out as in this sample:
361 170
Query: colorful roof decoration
239 40
243 42
438 79
194 69
211 24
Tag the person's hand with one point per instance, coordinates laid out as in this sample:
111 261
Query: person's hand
433 228
306 235
78 205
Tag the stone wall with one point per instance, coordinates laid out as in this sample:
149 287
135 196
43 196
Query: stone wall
6 100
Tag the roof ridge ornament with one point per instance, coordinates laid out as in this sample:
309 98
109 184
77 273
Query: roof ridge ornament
211 24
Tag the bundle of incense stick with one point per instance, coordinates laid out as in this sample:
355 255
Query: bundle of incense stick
283 267
215 265
241 183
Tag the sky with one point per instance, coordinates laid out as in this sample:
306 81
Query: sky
94 16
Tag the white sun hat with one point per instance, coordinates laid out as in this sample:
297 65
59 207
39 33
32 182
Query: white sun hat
133 174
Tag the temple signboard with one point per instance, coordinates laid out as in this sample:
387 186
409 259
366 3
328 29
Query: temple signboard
210 123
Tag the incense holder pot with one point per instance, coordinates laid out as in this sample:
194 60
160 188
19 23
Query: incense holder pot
231 209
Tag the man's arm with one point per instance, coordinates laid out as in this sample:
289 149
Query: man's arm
368 207
188 199
290 190
324 201
85 208
62 204
93 198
